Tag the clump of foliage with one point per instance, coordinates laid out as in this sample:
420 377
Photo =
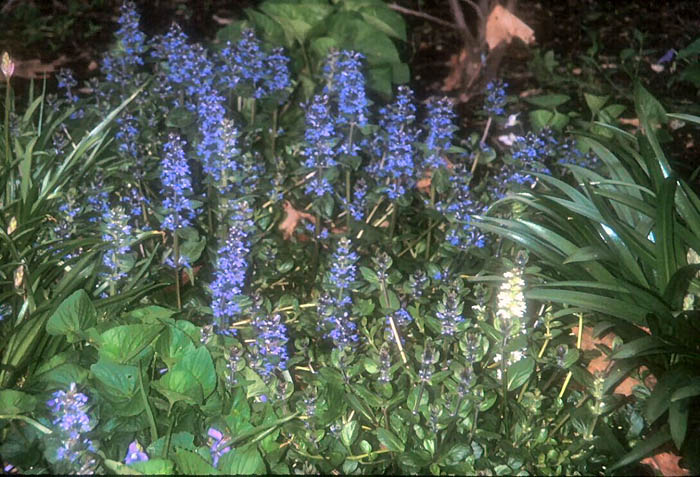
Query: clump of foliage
215 264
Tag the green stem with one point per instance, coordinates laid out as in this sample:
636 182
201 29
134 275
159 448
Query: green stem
8 159
394 218
420 396
28 420
166 448
430 221
347 179
176 249
504 378
149 412
273 136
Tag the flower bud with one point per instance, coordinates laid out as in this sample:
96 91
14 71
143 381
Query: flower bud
7 66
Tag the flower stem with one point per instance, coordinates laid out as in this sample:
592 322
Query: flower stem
147 406
176 249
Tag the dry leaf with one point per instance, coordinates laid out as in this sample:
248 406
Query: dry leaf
666 463
502 26
629 122
35 69
292 219
600 363
464 70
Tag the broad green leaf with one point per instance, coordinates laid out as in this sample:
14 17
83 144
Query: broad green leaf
172 344
349 433
16 402
666 239
119 384
541 118
180 385
201 366
640 347
152 314
154 467
678 412
547 100
519 373
689 51
389 440
127 343
643 449
595 103
244 461
73 316
191 463
608 306
181 439
687 391
360 406
657 403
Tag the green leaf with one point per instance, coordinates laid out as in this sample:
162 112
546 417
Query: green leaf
519 373
595 103
118 383
127 343
541 118
72 317
349 433
666 239
610 306
191 463
658 402
547 100
687 391
154 467
691 50
296 18
640 347
393 301
246 461
369 275
181 439
379 16
678 420
643 449
16 402
389 440
360 406
586 254
173 344
151 314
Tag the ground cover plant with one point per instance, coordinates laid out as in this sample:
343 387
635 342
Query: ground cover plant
252 259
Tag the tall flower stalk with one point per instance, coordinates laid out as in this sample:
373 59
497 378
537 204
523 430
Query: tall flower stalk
179 208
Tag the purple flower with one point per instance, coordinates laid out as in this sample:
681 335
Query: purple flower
344 80
395 144
177 186
495 101
335 304
247 65
117 234
70 418
321 139
218 445
270 348
440 127
231 270
135 454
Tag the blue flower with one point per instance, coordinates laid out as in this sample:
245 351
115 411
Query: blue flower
248 64
135 454
270 349
177 186
334 306
119 66
71 420
440 127
449 312
117 234
495 101
231 270
320 138
344 80
395 144
359 203
218 445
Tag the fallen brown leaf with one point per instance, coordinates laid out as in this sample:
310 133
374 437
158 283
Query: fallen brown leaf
292 219
666 463
35 69
600 363
502 26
